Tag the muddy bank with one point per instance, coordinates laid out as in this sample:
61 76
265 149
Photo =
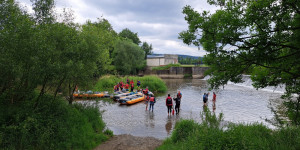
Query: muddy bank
129 142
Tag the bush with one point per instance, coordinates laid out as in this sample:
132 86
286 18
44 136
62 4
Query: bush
52 125
154 83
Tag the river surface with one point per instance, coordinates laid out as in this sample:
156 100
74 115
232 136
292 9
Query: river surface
237 103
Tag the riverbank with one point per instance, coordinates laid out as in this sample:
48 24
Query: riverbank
129 142
210 134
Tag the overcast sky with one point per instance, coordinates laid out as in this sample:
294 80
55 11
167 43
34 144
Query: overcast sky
157 22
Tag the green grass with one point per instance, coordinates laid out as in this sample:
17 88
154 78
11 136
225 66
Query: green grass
210 135
52 125
154 83
166 67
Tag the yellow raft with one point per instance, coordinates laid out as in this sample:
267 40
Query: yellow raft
133 101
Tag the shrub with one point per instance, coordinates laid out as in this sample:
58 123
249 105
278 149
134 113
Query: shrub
52 125
154 83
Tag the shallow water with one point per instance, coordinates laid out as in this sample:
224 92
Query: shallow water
237 103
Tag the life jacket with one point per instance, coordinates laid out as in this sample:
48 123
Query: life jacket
179 95
169 101
152 99
132 85
126 86
147 98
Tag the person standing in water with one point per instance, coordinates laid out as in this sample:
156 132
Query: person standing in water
214 101
205 98
152 101
147 101
169 104
177 106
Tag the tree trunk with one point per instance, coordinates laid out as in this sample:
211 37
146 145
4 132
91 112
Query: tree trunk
58 86
296 120
71 92
41 92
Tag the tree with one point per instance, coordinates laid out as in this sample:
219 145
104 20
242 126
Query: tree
128 57
259 36
127 34
105 38
147 48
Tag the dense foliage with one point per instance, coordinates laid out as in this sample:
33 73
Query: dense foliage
190 60
147 48
260 37
128 34
129 57
154 83
42 62
210 135
52 125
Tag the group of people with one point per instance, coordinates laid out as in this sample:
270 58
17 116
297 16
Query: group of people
120 86
169 103
177 100
149 99
205 98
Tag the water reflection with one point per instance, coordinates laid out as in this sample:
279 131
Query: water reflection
168 125
149 119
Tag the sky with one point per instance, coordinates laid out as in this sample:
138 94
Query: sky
157 22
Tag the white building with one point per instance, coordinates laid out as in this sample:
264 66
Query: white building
161 60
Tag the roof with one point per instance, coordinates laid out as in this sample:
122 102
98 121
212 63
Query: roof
156 56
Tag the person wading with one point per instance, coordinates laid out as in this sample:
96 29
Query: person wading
147 101
152 101
177 101
169 104
177 106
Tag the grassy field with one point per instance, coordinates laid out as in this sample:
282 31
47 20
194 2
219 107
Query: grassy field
210 135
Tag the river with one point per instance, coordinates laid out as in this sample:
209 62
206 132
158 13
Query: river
239 104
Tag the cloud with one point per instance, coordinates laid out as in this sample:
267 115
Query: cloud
156 21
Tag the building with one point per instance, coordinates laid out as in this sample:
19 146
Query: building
161 59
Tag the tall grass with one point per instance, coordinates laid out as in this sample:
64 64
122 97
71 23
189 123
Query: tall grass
154 83
210 135
52 125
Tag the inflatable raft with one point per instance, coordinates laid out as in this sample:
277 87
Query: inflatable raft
132 99
90 94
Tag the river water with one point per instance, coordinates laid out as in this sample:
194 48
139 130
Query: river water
239 104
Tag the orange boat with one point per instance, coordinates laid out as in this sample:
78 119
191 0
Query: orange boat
96 95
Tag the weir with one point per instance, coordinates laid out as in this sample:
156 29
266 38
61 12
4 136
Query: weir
177 72
247 82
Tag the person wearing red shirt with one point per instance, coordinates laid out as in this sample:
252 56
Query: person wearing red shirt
152 101
127 87
169 104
